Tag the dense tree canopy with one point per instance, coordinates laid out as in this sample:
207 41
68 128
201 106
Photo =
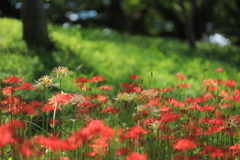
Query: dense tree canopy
189 19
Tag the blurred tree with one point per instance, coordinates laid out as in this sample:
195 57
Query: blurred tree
188 20
34 23
7 9
115 16
189 17
228 21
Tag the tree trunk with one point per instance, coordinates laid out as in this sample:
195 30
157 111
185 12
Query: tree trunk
115 15
34 23
188 18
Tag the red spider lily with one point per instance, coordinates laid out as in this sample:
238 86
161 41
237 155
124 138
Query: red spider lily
47 108
92 129
184 144
133 77
175 103
99 147
150 120
155 102
230 83
208 149
197 100
130 88
17 123
214 129
207 108
9 90
136 89
60 99
220 69
13 79
110 109
183 85
86 104
12 105
107 87
51 122
219 81
100 98
194 106
237 91
190 100
165 109
193 129
169 117
134 132
136 156
212 88
217 121
81 80
180 76
29 148
235 149
27 108
208 96
25 86
97 79
122 151
168 89
218 153
6 134
35 104
53 143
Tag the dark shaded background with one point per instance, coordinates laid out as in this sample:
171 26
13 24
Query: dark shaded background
184 19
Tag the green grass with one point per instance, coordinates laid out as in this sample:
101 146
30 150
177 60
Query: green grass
115 56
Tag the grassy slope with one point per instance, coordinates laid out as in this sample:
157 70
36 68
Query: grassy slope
115 56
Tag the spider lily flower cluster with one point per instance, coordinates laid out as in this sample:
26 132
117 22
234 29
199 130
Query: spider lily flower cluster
136 124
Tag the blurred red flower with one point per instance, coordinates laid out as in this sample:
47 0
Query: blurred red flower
81 80
107 87
180 76
220 69
97 79
136 156
133 77
230 83
184 144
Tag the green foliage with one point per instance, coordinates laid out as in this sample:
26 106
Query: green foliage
115 56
